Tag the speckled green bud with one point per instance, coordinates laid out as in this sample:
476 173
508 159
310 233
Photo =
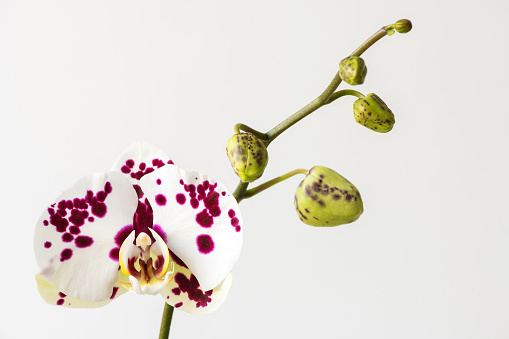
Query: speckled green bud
373 113
325 198
352 70
248 156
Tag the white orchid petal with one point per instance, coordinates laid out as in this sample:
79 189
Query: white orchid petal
75 238
200 221
139 159
54 297
184 293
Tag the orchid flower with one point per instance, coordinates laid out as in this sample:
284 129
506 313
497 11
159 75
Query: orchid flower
147 226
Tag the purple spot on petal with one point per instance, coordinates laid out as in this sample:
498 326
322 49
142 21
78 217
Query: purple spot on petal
99 209
234 221
158 181
45 223
192 288
107 187
205 243
60 302
67 237
101 195
62 295
179 304
114 292
161 200
231 213
181 198
47 244
176 291
130 163
83 241
74 230
114 253
204 219
66 254
194 203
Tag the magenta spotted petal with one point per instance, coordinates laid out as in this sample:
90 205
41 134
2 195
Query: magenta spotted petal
140 159
200 218
74 236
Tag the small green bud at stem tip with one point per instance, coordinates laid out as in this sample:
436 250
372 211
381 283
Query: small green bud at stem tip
248 156
403 26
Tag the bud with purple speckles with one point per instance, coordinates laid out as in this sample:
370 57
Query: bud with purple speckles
325 198
248 156
353 70
373 113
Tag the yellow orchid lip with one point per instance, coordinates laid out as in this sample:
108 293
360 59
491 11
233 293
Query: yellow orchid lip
146 263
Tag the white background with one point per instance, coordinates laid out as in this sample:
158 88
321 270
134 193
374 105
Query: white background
429 258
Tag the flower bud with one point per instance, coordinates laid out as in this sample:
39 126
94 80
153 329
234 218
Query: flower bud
373 113
248 156
403 26
352 70
325 198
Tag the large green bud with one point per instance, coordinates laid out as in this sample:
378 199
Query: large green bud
248 156
373 113
353 70
325 198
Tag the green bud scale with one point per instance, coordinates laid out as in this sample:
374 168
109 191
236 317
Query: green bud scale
248 156
353 70
373 113
325 198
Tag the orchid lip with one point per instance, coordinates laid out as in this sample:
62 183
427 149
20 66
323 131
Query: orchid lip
145 263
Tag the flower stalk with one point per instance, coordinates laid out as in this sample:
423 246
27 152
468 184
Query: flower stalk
328 95
164 331
260 188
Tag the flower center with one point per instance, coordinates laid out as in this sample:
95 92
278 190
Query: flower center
145 262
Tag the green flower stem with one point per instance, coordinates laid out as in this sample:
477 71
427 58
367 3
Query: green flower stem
254 191
325 97
305 111
164 331
240 191
344 92
368 43
328 96
238 127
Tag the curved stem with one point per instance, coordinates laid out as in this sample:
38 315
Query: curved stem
238 127
164 331
254 191
368 43
344 92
